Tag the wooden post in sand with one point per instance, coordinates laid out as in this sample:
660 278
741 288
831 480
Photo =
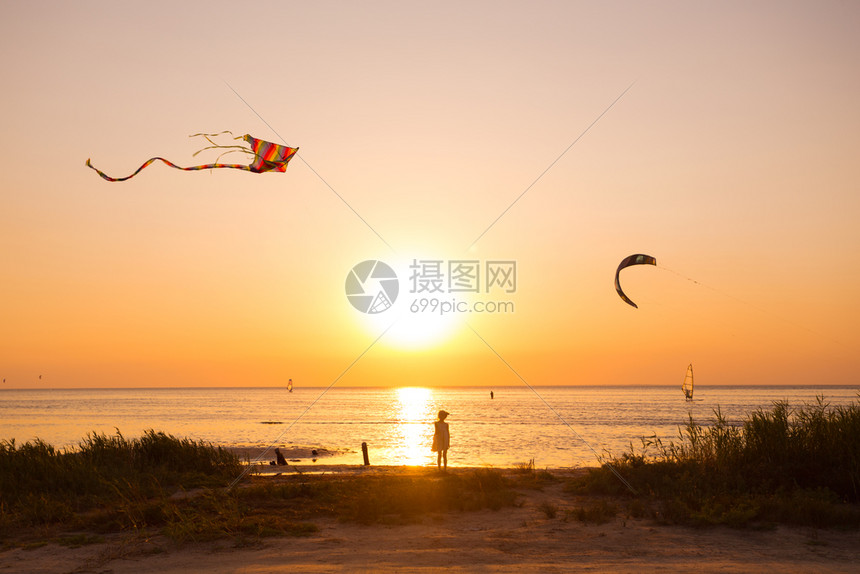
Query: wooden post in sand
364 452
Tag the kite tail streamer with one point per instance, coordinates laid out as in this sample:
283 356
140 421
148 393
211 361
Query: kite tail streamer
207 136
231 148
171 164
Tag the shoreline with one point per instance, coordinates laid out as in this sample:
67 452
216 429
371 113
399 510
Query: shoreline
301 460
381 470
481 434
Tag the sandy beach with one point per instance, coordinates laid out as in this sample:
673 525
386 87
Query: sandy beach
521 538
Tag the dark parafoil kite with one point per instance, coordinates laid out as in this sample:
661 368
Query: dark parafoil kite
267 157
638 259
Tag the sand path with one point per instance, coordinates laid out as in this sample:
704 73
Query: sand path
520 539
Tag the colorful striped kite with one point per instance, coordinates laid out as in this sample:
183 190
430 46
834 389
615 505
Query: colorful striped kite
267 157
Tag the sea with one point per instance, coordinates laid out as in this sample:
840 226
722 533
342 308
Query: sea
551 427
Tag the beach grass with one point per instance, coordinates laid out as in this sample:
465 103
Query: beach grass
109 482
179 488
782 465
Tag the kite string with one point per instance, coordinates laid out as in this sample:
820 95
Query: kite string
555 412
253 463
752 306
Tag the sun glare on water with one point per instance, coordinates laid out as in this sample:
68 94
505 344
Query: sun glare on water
414 429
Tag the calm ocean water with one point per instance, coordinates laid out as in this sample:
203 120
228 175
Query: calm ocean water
396 423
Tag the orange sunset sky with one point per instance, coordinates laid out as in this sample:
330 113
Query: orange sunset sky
734 159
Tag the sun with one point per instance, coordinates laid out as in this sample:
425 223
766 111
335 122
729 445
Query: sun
387 301
410 327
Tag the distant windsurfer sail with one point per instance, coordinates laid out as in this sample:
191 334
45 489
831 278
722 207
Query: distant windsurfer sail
290 385
688 383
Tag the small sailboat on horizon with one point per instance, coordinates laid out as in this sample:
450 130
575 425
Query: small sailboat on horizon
688 383
290 385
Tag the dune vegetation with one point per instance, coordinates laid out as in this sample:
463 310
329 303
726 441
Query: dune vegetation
782 465
180 488
107 483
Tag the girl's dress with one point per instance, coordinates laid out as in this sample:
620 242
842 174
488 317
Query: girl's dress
441 438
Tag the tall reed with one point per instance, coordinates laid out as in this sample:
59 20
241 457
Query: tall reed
41 484
782 464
